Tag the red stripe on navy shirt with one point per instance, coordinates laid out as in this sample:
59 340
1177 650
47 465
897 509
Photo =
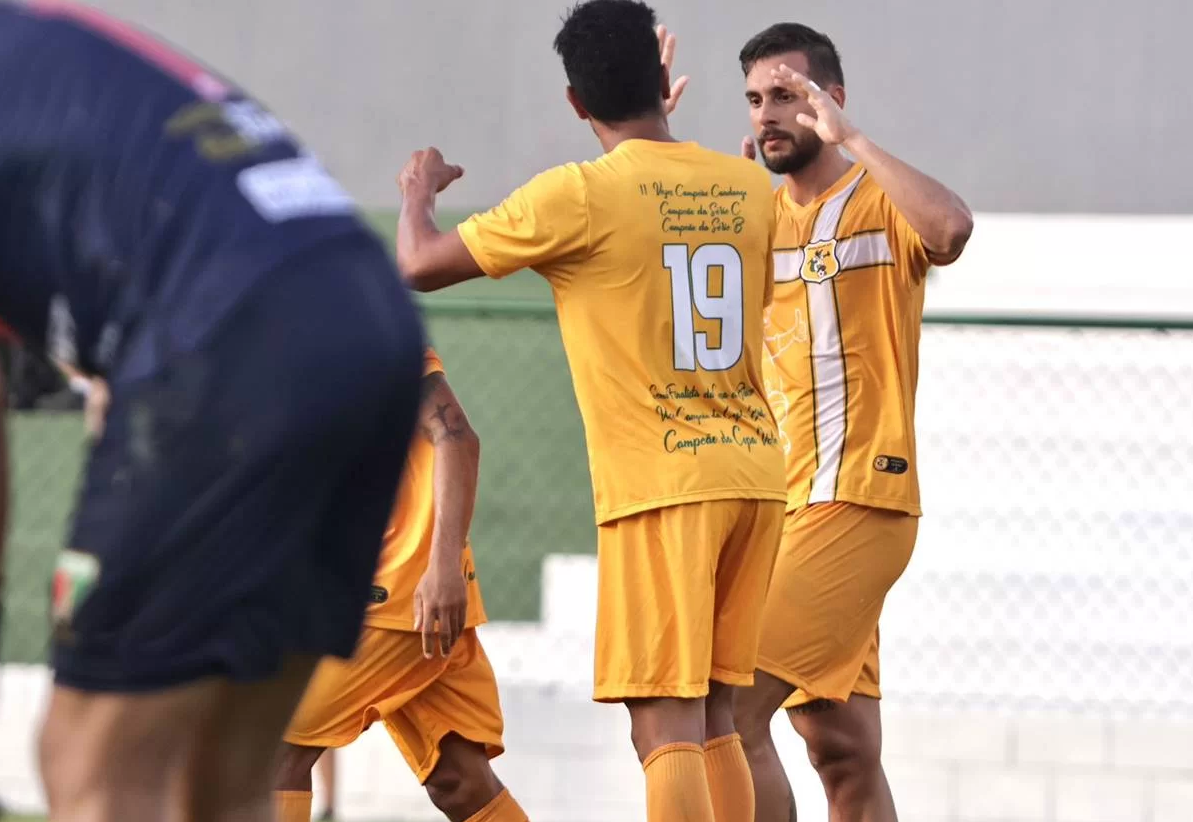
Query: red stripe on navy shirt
182 68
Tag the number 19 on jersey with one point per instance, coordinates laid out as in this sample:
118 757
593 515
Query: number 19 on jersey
691 277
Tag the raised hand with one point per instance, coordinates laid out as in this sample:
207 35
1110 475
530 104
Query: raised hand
667 54
830 123
427 167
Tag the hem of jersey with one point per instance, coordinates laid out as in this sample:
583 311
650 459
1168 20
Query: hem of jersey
622 692
407 625
707 495
869 501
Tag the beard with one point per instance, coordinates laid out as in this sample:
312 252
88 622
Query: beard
804 148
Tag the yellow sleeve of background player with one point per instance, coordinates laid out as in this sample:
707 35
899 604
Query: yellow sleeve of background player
542 222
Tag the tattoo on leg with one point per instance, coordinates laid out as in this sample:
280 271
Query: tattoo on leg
816 706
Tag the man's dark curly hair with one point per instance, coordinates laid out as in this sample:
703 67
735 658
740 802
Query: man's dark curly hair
611 56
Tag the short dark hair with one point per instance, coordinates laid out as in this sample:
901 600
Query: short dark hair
824 63
611 56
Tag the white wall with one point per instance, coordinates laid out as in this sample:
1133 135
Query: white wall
1022 105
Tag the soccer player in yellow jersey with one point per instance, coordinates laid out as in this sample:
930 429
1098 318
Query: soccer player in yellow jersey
419 666
856 237
659 257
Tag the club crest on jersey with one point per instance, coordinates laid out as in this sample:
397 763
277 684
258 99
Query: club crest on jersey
820 262
75 576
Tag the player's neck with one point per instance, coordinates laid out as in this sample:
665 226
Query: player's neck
611 135
817 176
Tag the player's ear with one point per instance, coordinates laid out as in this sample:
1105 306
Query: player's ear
581 112
837 92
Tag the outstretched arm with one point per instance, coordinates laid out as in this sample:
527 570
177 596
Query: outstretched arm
429 259
441 600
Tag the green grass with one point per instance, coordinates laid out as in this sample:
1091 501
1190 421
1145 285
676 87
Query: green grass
511 377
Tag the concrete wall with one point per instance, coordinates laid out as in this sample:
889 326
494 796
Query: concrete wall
1022 105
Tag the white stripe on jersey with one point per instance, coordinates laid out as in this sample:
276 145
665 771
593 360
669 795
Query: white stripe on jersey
828 356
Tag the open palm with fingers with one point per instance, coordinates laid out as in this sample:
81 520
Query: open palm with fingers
667 53
830 123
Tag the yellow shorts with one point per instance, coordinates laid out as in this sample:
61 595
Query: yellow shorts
679 597
420 700
836 563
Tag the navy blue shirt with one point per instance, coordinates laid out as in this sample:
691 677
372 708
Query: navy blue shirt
141 194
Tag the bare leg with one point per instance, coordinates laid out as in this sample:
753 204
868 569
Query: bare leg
669 736
753 711
463 782
845 747
327 776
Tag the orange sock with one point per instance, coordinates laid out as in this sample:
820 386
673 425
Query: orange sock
677 785
292 806
503 808
729 779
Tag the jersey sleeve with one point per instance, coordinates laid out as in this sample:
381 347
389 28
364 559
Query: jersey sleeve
911 256
431 363
542 222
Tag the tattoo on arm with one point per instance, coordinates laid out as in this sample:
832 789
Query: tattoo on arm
441 417
444 423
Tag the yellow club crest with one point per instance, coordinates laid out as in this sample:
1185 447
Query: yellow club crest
820 262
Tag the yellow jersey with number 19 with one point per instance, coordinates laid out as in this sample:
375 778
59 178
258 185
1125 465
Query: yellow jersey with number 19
843 338
659 257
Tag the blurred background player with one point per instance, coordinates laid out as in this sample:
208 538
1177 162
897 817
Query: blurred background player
854 243
162 230
419 667
660 310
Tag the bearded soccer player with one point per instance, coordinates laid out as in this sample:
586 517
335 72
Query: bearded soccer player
419 666
659 256
854 244
162 230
